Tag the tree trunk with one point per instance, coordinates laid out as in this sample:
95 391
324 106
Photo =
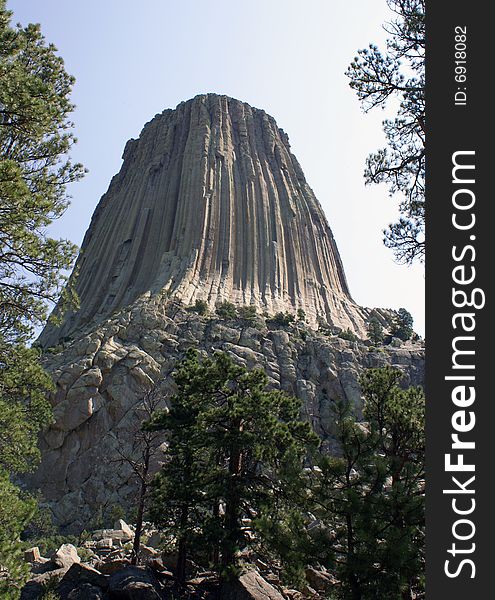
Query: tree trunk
180 569
351 575
140 510
139 524
215 554
232 504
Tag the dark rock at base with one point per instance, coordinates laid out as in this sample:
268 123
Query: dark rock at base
77 579
86 592
133 583
33 590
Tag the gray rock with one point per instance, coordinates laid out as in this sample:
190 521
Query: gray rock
154 540
112 565
188 181
79 574
121 525
134 583
65 556
33 590
320 580
250 586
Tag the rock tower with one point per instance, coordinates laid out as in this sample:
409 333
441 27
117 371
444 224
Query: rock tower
211 204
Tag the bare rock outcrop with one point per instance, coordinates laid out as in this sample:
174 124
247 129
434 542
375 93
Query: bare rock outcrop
211 204
140 345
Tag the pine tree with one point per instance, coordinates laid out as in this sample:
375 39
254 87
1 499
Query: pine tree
375 330
35 138
24 410
403 326
399 73
15 514
234 448
371 497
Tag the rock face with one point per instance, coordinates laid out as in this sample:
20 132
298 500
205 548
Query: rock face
209 204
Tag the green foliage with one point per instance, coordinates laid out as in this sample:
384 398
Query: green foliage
247 313
375 330
324 327
35 138
284 319
200 307
15 513
403 326
50 595
348 335
301 315
24 409
371 498
399 74
234 448
226 310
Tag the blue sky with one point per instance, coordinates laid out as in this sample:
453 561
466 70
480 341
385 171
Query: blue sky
132 60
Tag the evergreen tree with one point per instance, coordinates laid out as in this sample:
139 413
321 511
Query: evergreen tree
35 138
24 409
15 513
226 310
234 450
375 330
403 326
399 73
200 307
371 497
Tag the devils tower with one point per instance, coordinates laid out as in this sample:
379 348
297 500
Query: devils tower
210 205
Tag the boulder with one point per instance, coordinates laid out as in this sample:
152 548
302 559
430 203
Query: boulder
32 555
320 580
146 553
292 594
134 583
117 535
108 567
42 566
65 556
79 574
154 540
33 590
121 525
86 592
250 586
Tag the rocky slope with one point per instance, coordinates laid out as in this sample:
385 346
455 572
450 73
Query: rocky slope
102 375
101 569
